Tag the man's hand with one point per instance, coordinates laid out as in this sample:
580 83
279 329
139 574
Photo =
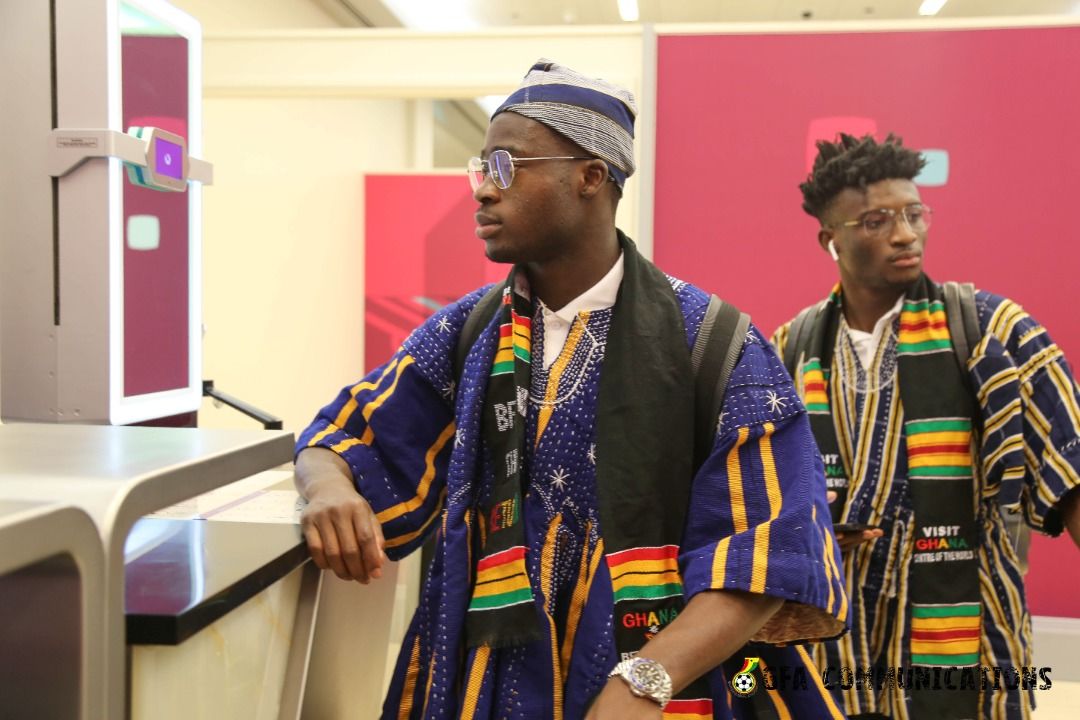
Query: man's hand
848 541
616 702
339 525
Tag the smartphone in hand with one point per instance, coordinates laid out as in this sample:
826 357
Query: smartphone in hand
852 527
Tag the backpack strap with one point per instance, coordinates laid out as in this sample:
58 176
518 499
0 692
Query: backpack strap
478 318
963 319
962 315
799 333
717 348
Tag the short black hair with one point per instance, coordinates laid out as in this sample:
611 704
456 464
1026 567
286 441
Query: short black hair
855 162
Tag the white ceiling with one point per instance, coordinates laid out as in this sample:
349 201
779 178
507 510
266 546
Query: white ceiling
457 14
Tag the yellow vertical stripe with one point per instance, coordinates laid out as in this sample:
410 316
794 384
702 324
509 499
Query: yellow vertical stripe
468 517
547 562
551 392
586 573
830 567
735 484
778 703
772 482
427 687
834 571
760 569
826 696
719 568
405 706
369 435
476 679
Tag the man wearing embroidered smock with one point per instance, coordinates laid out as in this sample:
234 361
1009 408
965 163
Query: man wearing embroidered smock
555 469
926 451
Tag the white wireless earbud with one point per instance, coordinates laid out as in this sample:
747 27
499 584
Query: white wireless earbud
832 251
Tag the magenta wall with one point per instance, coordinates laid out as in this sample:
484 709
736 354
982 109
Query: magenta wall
420 253
737 113
156 300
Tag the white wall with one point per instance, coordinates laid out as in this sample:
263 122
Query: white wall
283 292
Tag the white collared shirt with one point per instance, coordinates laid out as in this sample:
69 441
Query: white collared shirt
866 343
557 322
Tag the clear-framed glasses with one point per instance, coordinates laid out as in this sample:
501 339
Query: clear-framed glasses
882 221
500 165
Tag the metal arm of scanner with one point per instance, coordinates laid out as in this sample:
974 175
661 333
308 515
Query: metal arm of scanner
155 158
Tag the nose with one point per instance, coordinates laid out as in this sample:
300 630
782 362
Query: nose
902 233
487 191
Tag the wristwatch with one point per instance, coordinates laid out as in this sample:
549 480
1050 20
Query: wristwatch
646 678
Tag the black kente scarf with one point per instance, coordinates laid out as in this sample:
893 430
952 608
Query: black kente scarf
946 605
644 451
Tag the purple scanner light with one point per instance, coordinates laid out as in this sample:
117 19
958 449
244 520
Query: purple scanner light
169 159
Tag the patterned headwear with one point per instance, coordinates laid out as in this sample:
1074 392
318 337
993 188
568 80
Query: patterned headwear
593 113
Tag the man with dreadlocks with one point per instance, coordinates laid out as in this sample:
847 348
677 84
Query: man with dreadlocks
924 452
579 558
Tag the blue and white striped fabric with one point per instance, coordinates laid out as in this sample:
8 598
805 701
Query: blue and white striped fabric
593 113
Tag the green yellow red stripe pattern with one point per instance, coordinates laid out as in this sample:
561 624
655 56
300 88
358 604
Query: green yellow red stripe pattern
923 328
939 448
697 709
645 573
515 341
816 396
946 635
501 581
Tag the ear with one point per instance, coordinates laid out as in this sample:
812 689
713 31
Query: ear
594 177
824 236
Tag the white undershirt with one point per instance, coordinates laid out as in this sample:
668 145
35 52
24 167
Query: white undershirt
557 323
866 343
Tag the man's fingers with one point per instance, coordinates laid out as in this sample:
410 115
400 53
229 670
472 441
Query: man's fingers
369 531
315 546
830 496
350 547
332 549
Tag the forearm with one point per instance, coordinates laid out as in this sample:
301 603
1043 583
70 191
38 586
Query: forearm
319 469
713 626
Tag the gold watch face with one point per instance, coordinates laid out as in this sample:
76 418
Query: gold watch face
648 677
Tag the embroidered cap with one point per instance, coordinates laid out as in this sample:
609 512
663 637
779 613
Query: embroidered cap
593 113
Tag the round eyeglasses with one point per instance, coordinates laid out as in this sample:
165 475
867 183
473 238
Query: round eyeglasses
882 221
500 165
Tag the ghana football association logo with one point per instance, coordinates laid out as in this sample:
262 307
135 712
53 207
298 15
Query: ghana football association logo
743 683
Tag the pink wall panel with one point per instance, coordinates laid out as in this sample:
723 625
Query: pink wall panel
737 113
156 299
420 253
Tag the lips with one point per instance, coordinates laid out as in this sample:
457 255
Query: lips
486 225
906 259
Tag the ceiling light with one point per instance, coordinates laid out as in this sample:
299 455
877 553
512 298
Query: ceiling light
931 7
628 10
434 15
